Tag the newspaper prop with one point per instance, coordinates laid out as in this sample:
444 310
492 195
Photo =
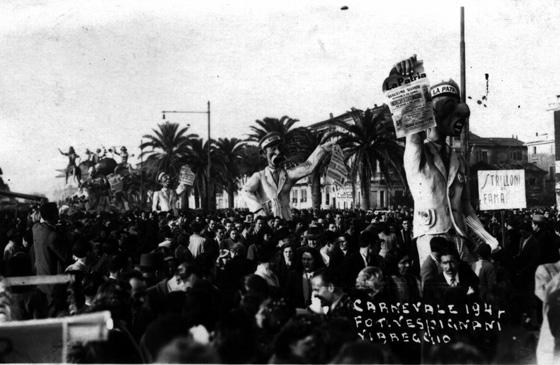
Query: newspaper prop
501 189
186 175
115 182
409 101
337 168
47 340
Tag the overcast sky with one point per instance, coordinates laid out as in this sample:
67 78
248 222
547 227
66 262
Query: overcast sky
96 73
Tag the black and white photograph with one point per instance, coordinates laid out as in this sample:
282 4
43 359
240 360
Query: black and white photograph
288 182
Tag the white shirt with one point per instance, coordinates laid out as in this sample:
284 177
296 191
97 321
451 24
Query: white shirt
364 253
449 277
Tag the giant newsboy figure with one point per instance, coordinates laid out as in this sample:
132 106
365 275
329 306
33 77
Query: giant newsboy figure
436 175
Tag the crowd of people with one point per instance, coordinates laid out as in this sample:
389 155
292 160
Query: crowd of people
230 287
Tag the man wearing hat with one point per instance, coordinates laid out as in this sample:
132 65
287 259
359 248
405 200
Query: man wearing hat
165 199
267 192
51 256
436 174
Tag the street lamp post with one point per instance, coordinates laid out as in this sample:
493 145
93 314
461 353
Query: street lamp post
141 174
209 161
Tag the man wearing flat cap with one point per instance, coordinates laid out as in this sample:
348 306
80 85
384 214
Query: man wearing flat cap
436 174
267 192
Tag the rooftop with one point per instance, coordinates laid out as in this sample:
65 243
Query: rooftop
494 141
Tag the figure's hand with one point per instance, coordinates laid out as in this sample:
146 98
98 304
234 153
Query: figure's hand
327 146
405 67
494 245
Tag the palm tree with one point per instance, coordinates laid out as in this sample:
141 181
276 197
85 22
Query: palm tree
305 143
370 147
252 161
169 146
284 126
197 159
230 152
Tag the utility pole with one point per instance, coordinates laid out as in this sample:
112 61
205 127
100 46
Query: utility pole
209 190
141 175
465 134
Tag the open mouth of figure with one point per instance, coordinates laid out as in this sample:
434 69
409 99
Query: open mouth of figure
459 126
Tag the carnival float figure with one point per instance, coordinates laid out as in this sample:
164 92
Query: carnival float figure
267 192
108 185
165 199
436 175
72 168
123 167
98 191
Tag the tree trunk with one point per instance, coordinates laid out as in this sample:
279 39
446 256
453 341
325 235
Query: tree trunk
365 184
353 182
196 198
204 199
185 199
315 178
212 194
230 194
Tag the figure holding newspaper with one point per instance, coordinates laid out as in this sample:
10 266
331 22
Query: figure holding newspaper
436 174
267 192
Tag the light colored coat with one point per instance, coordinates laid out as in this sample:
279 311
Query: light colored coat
165 200
441 198
264 195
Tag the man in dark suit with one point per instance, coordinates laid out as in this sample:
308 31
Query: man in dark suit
404 238
366 255
407 245
298 288
457 283
430 267
339 223
49 247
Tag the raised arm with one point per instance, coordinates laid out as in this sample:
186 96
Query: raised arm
180 189
307 167
413 151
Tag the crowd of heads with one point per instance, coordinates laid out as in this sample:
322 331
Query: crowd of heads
236 288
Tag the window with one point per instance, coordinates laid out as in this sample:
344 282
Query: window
534 150
532 181
516 155
381 198
294 196
327 196
484 156
303 196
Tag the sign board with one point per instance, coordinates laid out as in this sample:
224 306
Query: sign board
115 182
186 175
409 101
47 340
337 168
344 193
501 189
